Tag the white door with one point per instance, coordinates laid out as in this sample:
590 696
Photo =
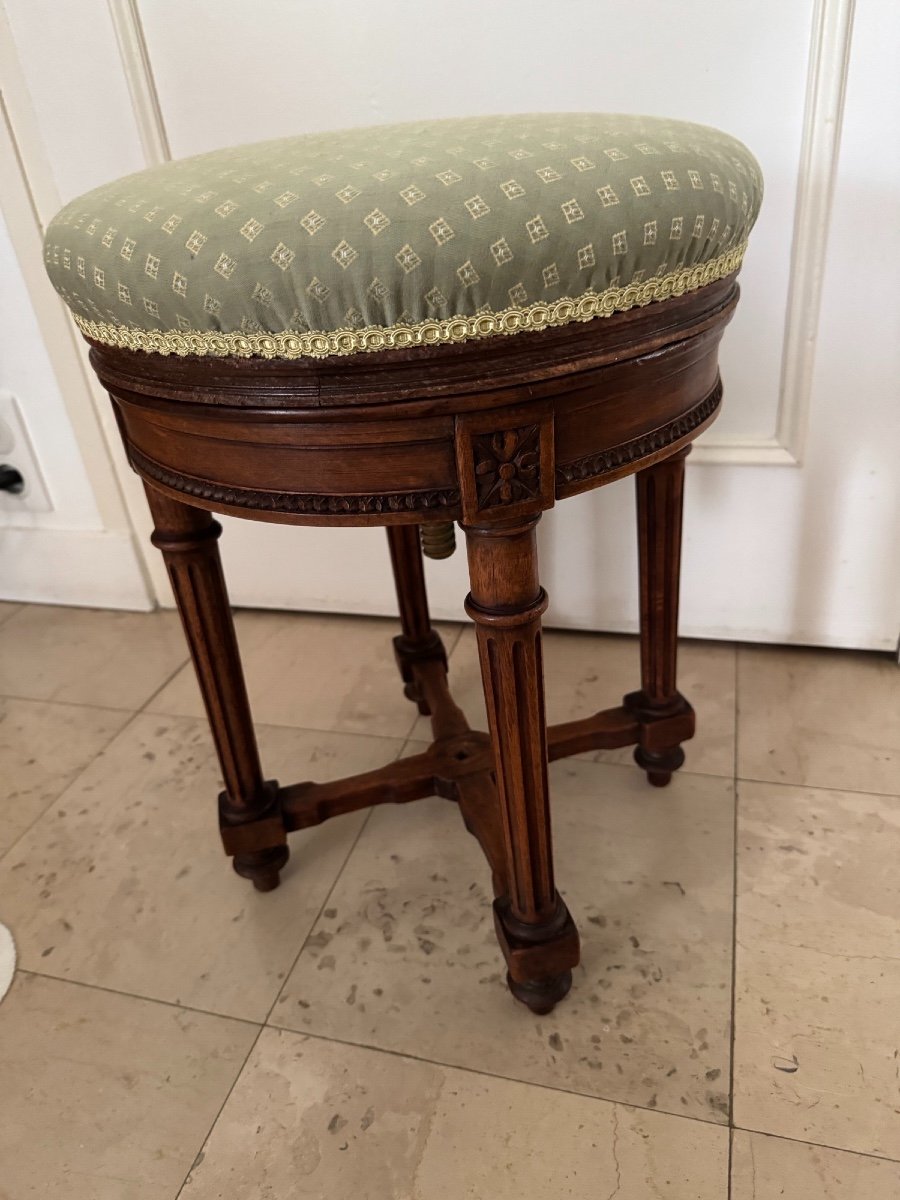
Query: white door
792 509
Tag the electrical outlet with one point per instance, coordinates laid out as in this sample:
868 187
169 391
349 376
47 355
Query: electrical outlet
16 450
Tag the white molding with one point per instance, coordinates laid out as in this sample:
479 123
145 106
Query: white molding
126 19
38 182
829 63
745 452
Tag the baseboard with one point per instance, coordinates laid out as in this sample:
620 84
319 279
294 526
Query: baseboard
85 567
832 638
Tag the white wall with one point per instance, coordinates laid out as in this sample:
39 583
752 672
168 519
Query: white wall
29 376
68 538
792 506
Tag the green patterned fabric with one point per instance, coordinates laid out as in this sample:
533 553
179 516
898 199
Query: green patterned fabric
434 231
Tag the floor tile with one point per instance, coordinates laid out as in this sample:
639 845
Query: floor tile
7 608
823 718
42 748
818 968
314 672
313 1119
88 656
126 886
584 672
107 1097
768 1168
404 956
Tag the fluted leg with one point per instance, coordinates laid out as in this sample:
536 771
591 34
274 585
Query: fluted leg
418 642
667 716
187 537
533 925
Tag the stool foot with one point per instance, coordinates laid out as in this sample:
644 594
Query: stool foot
539 958
663 728
262 867
659 766
541 997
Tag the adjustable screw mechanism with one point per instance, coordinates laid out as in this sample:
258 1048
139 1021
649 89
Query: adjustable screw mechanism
438 539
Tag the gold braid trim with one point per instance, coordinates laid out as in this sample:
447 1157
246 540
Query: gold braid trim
321 344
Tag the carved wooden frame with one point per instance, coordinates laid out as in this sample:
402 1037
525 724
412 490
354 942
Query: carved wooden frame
490 434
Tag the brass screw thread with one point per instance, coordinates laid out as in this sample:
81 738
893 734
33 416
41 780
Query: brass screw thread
438 539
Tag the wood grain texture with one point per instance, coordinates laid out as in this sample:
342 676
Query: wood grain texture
188 540
490 434
506 603
418 642
660 501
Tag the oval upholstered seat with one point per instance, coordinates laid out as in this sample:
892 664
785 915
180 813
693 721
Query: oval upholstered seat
413 234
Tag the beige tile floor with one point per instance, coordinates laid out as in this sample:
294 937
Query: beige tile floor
733 1031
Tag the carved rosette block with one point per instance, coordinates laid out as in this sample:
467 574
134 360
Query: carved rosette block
507 466
505 462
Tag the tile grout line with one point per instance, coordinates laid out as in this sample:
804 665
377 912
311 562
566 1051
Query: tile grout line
381 1050
260 1026
66 703
404 744
134 714
399 1054
482 1074
817 787
202 717
111 991
22 605
405 1054
289 971
734 907
324 904
782 1137
69 783
404 738
318 916
265 1025
219 1111
185 662
450 1066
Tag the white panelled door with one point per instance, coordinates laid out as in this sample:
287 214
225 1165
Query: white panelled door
792 515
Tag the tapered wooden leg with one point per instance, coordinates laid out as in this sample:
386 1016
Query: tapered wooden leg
248 808
666 716
536 932
418 642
